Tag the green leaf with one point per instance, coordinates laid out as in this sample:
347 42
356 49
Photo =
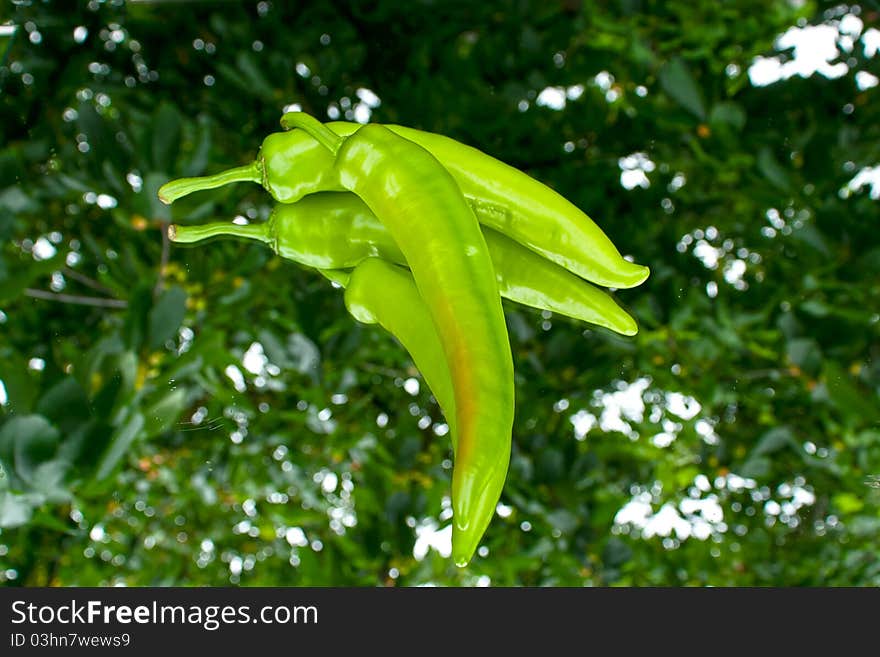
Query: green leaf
102 143
860 406
65 404
20 386
120 443
848 503
253 76
809 235
167 125
26 272
756 468
26 442
805 353
48 480
159 417
157 210
677 81
15 201
199 158
772 441
728 113
166 316
772 170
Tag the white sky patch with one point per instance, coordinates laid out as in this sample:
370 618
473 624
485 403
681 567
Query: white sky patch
614 410
865 80
552 97
603 80
254 360
329 482
43 249
623 405
634 169
368 97
362 111
815 49
734 271
664 439
692 517
236 377
871 41
734 483
666 521
556 97
135 181
635 512
706 431
106 202
429 537
583 422
574 92
707 254
412 386
683 406
869 176
4 399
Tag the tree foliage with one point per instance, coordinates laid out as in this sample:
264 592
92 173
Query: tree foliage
213 415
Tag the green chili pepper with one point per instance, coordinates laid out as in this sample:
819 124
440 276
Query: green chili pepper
336 230
377 292
291 165
429 219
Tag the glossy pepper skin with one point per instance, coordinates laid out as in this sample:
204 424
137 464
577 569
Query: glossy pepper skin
291 165
336 230
422 207
378 292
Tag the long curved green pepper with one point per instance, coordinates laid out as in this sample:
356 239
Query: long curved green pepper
422 207
336 230
291 165
377 292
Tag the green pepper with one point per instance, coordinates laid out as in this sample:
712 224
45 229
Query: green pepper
336 230
429 219
292 164
377 292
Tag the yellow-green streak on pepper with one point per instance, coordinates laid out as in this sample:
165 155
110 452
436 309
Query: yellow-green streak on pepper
291 165
422 207
336 230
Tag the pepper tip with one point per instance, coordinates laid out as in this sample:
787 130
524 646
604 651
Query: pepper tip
172 232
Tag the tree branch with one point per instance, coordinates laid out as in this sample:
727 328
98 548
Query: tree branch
75 299
85 280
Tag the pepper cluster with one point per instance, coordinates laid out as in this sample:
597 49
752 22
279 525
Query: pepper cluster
426 235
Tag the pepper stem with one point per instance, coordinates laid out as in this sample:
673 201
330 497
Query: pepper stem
314 128
171 191
189 234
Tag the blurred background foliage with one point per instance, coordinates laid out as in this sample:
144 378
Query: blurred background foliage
212 415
